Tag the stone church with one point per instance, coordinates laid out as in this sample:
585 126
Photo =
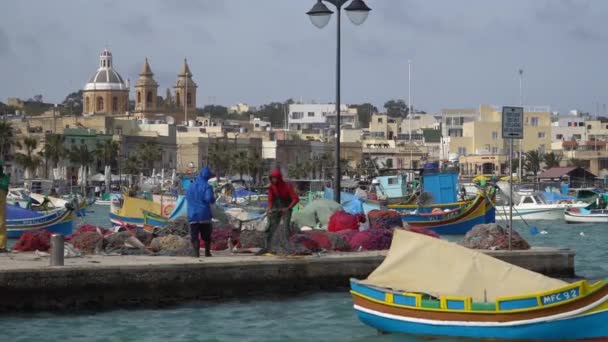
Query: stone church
107 93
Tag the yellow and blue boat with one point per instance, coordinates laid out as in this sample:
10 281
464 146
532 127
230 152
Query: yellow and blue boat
130 211
432 287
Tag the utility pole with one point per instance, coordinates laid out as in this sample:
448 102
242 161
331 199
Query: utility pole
521 142
409 111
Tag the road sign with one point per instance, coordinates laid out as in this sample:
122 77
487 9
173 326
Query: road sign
512 122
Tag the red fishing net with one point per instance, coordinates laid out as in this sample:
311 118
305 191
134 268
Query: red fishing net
372 240
384 219
423 231
341 220
37 240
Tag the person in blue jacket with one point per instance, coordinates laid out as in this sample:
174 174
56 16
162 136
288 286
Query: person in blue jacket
200 198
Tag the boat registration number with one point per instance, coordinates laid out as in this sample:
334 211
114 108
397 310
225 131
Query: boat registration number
560 296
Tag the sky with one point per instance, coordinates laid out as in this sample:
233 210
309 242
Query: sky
463 53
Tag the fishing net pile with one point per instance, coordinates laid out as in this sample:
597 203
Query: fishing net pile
251 239
221 238
492 236
341 220
372 240
316 214
125 243
37 240
384 219
88 242
171 245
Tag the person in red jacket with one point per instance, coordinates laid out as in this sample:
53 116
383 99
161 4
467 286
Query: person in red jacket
281 199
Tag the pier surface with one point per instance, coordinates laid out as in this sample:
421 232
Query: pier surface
95 282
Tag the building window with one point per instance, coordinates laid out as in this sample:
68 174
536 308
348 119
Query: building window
534 121
189 98
177 99
115 104
311 114
588 126
576 136
462 151
581 124
487 147
139 97
149 97
389 163
379 120
494 150
494 135
87 105
541 135
559 136
99 104
297 115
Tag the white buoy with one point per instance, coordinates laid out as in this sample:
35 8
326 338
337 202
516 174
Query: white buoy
582 234
544 232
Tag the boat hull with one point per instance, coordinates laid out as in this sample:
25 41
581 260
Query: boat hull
539 213
530 317
592 217
480 211
59 221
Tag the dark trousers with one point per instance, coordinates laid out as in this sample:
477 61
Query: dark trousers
204 231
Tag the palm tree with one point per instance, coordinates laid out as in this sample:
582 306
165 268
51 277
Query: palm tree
7 138
132 166
219 159
150 152
256 165
533 160
106 152
552 159
28 160
54 148
81 155
296 171
240 164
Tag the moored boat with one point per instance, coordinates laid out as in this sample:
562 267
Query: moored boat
455 221
20 220
432 287
130 211
532 206
583 215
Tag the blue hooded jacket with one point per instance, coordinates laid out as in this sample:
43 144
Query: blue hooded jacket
200 198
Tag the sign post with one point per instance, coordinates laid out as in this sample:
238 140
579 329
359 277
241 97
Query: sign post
512 128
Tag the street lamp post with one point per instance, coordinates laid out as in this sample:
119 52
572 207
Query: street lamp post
319 15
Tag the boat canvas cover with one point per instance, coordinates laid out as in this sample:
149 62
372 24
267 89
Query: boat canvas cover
422 264
132 207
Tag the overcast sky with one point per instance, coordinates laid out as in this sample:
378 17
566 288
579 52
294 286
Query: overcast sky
463 52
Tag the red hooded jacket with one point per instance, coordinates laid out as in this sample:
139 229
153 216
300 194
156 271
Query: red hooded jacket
282 190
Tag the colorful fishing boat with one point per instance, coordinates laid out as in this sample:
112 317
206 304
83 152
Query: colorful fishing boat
455 221
432 287
20 220
130 211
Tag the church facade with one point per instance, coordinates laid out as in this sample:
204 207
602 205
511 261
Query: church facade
107 93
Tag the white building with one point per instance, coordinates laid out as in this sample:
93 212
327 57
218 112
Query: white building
318 117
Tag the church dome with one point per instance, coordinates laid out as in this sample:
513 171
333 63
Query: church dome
106 78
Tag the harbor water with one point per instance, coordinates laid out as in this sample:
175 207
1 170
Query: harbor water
312 317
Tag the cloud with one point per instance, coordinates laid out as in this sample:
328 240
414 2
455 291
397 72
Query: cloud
191 7
138 25
5 44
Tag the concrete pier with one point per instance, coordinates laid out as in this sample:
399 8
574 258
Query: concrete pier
27 283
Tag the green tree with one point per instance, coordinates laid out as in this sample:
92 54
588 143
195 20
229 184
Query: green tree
364 113
28 160
256 165
72 104
552 159
54 148
396 108
275 112
296 170
7 138
106 152
215 111
218 157
533 160
149 153
240 163
132 165
81 155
